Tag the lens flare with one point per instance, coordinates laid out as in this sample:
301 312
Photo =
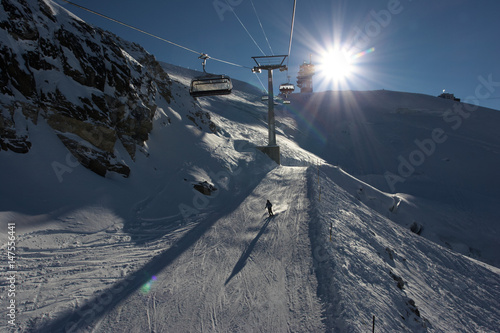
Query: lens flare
362 53
146 288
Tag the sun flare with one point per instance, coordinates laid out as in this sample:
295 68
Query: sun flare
336 65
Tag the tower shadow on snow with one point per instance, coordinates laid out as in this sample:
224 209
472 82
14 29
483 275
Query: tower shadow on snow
85 315
244 256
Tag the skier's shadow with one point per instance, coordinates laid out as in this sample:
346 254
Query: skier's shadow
244 256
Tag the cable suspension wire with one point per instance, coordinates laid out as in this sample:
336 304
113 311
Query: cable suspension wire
230 63
262 84
129 26
261 27
150 34
248 32
291 32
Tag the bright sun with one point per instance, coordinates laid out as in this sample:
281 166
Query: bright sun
336 65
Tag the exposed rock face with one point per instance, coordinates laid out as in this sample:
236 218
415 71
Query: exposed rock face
205 188
84 81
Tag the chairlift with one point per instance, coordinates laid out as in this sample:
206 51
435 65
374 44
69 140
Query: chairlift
286 88
210 84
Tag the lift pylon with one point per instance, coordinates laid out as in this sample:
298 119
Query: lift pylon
270 63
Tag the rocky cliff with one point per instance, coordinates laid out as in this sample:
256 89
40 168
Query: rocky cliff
92 87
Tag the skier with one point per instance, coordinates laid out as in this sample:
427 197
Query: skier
269 207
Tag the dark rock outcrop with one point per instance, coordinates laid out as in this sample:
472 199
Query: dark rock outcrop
205 188
81 79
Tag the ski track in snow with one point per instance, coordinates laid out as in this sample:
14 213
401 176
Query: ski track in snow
240 271
247 273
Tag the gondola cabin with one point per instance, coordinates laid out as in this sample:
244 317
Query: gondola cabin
211 85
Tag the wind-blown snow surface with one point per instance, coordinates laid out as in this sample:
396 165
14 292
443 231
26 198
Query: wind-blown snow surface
149 253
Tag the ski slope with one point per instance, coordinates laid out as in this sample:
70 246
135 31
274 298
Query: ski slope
242 272
148 253
236 269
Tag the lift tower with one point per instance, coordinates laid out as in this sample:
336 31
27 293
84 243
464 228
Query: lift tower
270 63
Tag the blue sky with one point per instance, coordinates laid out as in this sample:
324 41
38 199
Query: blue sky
419 46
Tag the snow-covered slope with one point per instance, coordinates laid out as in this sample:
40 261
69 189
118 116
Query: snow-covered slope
150 253
372 267
428 153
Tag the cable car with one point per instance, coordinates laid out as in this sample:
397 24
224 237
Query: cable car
210 84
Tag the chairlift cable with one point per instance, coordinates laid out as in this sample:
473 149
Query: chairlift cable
291 37
129 26
261 27
149 34
230 63
291 32
262 84
248 32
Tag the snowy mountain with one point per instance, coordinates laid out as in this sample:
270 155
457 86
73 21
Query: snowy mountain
92 87
150 252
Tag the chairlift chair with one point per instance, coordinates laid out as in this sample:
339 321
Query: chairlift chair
285 89
210 84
